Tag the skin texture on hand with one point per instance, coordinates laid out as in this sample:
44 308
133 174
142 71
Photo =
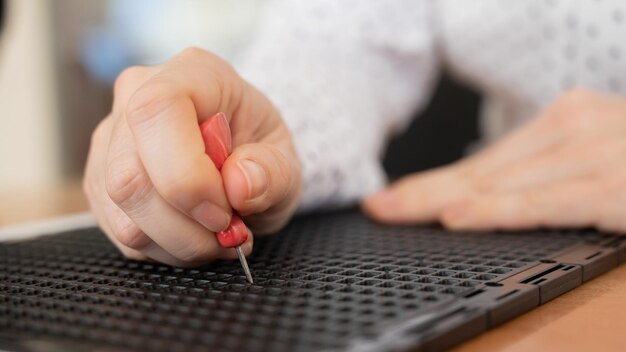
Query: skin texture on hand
149 182
564 169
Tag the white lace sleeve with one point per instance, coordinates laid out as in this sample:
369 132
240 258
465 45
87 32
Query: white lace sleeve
344 74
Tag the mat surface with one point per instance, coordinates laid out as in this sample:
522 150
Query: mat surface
327 282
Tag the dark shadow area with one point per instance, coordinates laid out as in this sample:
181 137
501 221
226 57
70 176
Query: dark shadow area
440 134
2 12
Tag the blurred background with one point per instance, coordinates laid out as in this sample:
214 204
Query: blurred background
59 58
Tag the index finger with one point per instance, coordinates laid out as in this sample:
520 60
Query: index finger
568 204
164 115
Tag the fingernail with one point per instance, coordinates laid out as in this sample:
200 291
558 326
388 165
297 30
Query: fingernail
256 177
211 216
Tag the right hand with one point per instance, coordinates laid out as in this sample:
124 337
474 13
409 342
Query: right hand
151 187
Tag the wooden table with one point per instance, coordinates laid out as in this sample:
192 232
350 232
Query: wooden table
20 205
589 318
592 317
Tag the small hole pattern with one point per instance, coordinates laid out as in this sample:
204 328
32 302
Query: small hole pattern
322 282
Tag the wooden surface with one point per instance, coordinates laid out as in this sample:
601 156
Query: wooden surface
589 318
592 317
24 205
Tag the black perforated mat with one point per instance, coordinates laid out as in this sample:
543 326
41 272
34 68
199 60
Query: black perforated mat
330 281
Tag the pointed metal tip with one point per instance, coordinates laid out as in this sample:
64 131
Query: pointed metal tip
244 264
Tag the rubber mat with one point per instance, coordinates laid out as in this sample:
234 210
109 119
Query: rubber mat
327 282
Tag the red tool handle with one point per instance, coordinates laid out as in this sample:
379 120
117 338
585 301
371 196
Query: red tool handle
218 146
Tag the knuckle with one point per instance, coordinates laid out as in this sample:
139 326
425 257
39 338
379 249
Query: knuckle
576 99
193 252
475 182
282 185
575 96
188 255
572 110
132 255
179 185
195 53
284 172
198 55
217 67
127 187
149 102
130 235
128 78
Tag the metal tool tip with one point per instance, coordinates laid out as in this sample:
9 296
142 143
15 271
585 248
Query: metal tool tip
244 264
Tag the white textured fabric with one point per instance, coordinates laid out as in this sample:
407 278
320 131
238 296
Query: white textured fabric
346 74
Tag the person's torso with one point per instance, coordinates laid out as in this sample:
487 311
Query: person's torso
523 54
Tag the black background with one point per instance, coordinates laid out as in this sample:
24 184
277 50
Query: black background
440 134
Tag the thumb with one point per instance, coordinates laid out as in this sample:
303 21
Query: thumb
262 184
417 198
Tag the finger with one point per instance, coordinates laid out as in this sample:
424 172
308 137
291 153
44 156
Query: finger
127 83
418 198
532 138
562 120
564 162
163 117
564 205
102 208
422 197
130 188
583 157
119 228
93 184
262 178
611 208
116 224
132 237
153 251
131 240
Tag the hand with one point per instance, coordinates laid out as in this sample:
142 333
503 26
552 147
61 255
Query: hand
150 185
566 168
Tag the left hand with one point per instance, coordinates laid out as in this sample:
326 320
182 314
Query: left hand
566 168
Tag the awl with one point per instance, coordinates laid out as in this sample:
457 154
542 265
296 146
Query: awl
218 146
